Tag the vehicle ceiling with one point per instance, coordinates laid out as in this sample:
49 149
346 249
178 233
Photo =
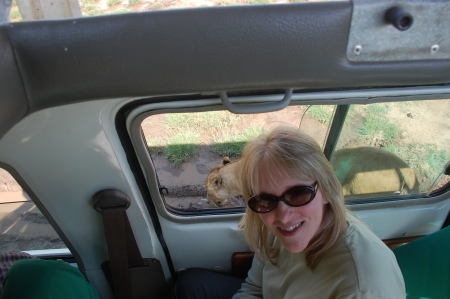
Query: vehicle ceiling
57 62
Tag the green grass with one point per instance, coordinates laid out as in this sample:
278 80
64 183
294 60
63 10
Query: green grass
232 145
157 5
377 110
425 159
218 128
156 145
183 131
87 2
226 3
201 120
182 146
251 133
321 113
119 11
377 122
15 15
229 148
113 2
91 10
134 2
259 1
373 125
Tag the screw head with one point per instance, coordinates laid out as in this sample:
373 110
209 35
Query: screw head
357 50
434 49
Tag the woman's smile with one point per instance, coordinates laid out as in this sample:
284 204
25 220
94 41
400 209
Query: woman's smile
295 227
291 228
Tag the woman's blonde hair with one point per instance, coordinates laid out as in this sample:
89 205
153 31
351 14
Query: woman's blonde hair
297 155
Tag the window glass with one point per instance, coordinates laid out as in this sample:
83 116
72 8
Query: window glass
22 225
384 150
185 147
399 148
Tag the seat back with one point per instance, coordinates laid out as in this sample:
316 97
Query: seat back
425 264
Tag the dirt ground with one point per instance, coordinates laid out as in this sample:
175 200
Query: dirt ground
419 124
185 182
22 226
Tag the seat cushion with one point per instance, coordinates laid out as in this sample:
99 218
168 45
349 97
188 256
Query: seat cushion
33 279
425 264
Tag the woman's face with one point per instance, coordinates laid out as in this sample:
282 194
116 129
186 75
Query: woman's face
295 227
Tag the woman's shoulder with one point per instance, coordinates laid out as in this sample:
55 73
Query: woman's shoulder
360 239
367 251
368 261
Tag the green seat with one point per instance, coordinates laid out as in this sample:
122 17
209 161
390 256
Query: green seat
425 264
36 279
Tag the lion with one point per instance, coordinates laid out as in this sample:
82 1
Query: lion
362 172
368 171
222 182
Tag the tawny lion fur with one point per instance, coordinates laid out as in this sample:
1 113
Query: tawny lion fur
362 171
222 182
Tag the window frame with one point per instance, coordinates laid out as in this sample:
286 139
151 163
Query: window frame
202 103
68 254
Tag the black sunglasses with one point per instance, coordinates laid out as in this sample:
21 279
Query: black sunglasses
295 197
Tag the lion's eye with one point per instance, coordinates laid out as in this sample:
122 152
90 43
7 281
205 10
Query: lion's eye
216 182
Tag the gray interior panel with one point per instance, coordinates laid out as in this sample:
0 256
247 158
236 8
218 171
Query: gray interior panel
185 51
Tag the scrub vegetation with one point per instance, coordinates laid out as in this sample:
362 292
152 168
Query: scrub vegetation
231 145
91 8
416 132
321 113
426 159
376 121
14 14
218 129
183 132
182 146
226 134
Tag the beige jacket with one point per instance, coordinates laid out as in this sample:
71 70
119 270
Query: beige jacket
360 265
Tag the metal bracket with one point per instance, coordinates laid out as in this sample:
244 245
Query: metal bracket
386 30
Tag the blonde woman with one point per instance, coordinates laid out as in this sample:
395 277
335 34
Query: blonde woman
307 245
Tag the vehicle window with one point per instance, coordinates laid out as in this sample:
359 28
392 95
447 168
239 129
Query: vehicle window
384 150
89 8
185 147
22 225
397 148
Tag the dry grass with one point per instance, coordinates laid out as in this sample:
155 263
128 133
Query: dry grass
103 7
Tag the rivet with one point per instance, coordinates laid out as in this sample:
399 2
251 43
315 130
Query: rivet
434 49
357 50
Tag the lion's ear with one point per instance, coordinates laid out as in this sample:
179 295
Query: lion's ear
226 161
